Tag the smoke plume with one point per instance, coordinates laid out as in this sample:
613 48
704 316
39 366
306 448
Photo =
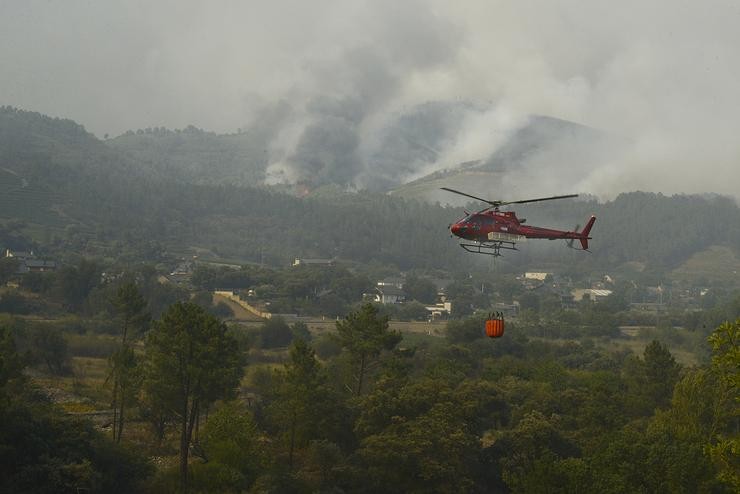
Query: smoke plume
375 93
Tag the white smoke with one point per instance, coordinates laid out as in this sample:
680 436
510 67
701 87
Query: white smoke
659 76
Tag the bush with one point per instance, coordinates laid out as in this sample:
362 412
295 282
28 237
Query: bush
326 347
222 310
466 330
275 333
300 331
413 311
49 346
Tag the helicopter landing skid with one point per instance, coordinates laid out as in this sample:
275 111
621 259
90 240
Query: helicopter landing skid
489 248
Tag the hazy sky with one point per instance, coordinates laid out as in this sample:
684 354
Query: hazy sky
663 75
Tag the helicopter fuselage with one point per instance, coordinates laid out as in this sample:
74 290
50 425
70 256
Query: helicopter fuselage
494 225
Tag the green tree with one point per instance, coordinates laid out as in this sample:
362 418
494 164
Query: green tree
8 267
191 362
724 447
296 407
365 335
465 330
126 376
533 449
233 454
74 283
204 298
275 333
650 459
130 307
423 434
420 289
44 450
413 311
37 282
300 331
49 345
222 310
661 373
11 364
432 452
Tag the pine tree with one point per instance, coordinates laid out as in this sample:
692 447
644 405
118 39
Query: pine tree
191 362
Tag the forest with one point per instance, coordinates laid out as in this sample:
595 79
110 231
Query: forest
118 373
197 407
93 198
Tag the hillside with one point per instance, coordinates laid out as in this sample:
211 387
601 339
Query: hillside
327 151
101 200
544 149
77 194
714 263
192 155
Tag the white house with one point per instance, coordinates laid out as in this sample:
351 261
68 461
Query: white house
389 294
592 293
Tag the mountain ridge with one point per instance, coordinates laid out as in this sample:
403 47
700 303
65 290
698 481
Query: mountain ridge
99 202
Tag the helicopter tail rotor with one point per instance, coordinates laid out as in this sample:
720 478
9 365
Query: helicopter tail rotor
581 236
569 242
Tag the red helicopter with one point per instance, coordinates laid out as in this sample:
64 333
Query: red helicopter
493 230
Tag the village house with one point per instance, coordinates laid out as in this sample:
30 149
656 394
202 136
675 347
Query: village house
389 294
28 263
441 310
534 279
592 294
182 272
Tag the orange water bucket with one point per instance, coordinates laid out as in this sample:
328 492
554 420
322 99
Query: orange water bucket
495 326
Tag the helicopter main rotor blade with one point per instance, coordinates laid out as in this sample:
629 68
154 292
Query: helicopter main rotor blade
493 203
496 204
503 203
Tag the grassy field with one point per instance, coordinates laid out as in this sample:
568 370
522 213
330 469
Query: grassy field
715 263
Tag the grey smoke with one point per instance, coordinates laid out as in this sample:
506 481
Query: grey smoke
332 84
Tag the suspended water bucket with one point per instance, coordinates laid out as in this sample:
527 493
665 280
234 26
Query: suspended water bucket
495 325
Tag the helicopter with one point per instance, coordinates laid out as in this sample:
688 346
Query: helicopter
491 230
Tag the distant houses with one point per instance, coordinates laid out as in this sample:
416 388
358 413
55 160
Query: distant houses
389 291
389 294
29 263
536 275
441 310
183 272
592 294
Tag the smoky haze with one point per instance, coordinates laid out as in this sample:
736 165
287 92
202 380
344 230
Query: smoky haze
332 84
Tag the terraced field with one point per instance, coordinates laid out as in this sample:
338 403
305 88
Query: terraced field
23 199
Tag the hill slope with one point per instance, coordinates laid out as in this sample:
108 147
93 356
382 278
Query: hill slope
97 200
194 156
545 154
